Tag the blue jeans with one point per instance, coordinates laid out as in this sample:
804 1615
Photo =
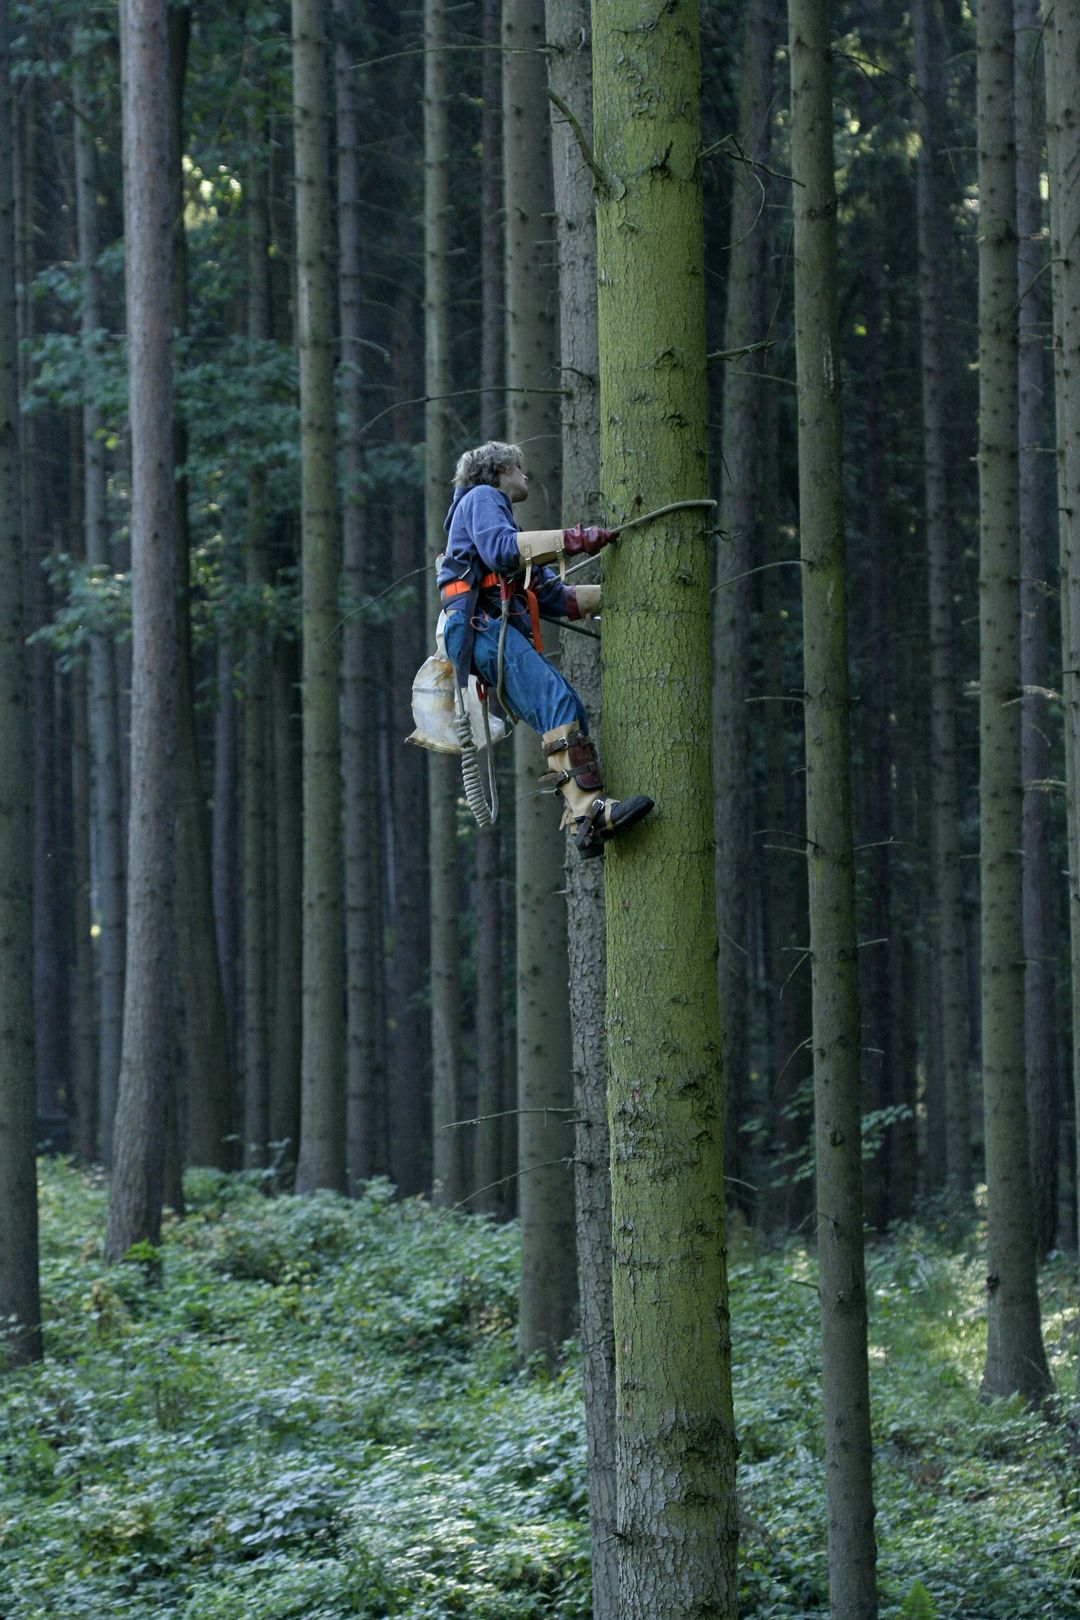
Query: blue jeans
534 688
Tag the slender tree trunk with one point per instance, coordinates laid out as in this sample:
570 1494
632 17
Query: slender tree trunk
947 920
363 1059
322 1134
84 1011
256 800
570 77
675 1447
1063 106
744 325
1040 1018
830 852
149 1030
545 1085
107 840
204 1037
20 1304
488 888
285 966
1015 1359
443 781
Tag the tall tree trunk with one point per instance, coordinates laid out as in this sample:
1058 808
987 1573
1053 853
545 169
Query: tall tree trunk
322 1134
284 970
149 1055
675 1447
1062 105
829 841
443 784
84 1009
204 1038
256 799
570 78
1040 990
364 1126
107 840
1015 1359
744 324
545 1086
488 889
947 919
20 1304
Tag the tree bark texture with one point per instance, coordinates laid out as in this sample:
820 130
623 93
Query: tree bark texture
443 773
255 757
107 840
1040 888
365 1133
947 919
1062 37
744 324
20 1304
149 1052
829 842
1015 1359
675 1448
570 78
322 1120
544 1079
204 1036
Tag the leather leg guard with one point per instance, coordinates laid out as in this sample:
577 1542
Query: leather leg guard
594 818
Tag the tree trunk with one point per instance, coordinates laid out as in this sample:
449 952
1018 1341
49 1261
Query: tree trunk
829 842
107 839
322 1122
570 78
948 932
20 1304
285 966
544 1081
1015 1360
1062 104
149 1030
256 797
675 1446
448 1181
744 324
1040 990
364 1073
488 888
204 1040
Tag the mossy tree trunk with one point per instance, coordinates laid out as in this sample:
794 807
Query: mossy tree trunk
20 1305
829 841
1015 1359
149 1047
544 1083
675 1445
322 1116
570 78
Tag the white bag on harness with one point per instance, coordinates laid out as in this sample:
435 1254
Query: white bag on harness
433 698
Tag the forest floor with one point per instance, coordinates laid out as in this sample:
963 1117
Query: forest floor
309 1409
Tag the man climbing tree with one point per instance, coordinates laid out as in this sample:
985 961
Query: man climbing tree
675 1446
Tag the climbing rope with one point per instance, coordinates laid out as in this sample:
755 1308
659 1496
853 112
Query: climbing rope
484 803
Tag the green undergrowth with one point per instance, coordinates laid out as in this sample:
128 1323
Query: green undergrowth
311 1409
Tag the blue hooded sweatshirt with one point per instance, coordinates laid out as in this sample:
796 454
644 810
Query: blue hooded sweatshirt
482 539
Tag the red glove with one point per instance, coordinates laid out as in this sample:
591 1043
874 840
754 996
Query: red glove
588 540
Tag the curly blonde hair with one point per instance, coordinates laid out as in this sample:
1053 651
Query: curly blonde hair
484 464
